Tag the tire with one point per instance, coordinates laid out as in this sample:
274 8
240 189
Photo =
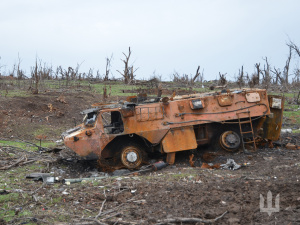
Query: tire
132 155
228 140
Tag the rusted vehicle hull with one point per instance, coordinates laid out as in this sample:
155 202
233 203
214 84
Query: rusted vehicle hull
129 130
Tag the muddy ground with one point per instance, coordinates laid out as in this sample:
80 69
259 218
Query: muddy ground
138 198
149 197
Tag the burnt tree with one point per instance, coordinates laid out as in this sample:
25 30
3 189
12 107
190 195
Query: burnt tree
293 46
196 75
286 68
107 67
258 72
240 79
266 74
128 72
222 79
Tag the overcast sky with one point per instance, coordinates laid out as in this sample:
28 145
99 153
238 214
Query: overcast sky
164 35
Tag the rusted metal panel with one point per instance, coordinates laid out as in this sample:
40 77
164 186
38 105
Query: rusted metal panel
171 158
127 112
225 100
154 136
179 139
89 140
179 113
84 143
273 123
253 97
149 113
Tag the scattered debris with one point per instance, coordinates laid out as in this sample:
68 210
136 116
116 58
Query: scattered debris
210 166
51 108
189 220
159 165
78 180
209 156
286 131
120 172
61 99
45 177
230 165
20 157
192 163
291 146
268 158
4 192
117 173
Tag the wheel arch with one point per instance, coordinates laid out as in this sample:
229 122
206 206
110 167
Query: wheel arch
115 145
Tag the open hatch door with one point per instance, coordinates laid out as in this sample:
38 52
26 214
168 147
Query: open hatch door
273 122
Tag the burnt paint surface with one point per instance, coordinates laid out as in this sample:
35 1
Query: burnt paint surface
272 125
153 121
179 139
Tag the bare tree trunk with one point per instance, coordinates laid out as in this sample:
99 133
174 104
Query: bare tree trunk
107 68
196 75
286 68
267 76
159 90
128 72
257 65
240 78
36 77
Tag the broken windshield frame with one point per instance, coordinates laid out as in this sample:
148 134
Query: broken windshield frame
89 119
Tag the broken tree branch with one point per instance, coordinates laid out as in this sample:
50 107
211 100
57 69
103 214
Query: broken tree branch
189 220
295 47
100 211
94 220
14 164
196 75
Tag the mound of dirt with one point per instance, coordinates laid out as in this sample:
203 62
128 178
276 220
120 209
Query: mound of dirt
47 114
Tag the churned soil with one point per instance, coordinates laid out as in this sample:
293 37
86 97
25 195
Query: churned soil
47 114
178 190
194 192
151 197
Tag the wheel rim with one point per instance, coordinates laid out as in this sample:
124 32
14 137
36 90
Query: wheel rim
230 141
131 157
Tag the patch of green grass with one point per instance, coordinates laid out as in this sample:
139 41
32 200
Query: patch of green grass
291 106
296 131
25 213
289 95
42 130
293 116
27 146
22 145
63 217
8 215
115 89
14 93
56 200
9 197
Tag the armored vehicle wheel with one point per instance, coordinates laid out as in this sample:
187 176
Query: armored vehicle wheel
230 141
132 156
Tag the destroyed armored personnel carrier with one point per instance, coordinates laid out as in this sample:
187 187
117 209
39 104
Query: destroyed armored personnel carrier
126 131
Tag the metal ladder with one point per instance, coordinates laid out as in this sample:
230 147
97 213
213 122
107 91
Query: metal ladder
246 132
